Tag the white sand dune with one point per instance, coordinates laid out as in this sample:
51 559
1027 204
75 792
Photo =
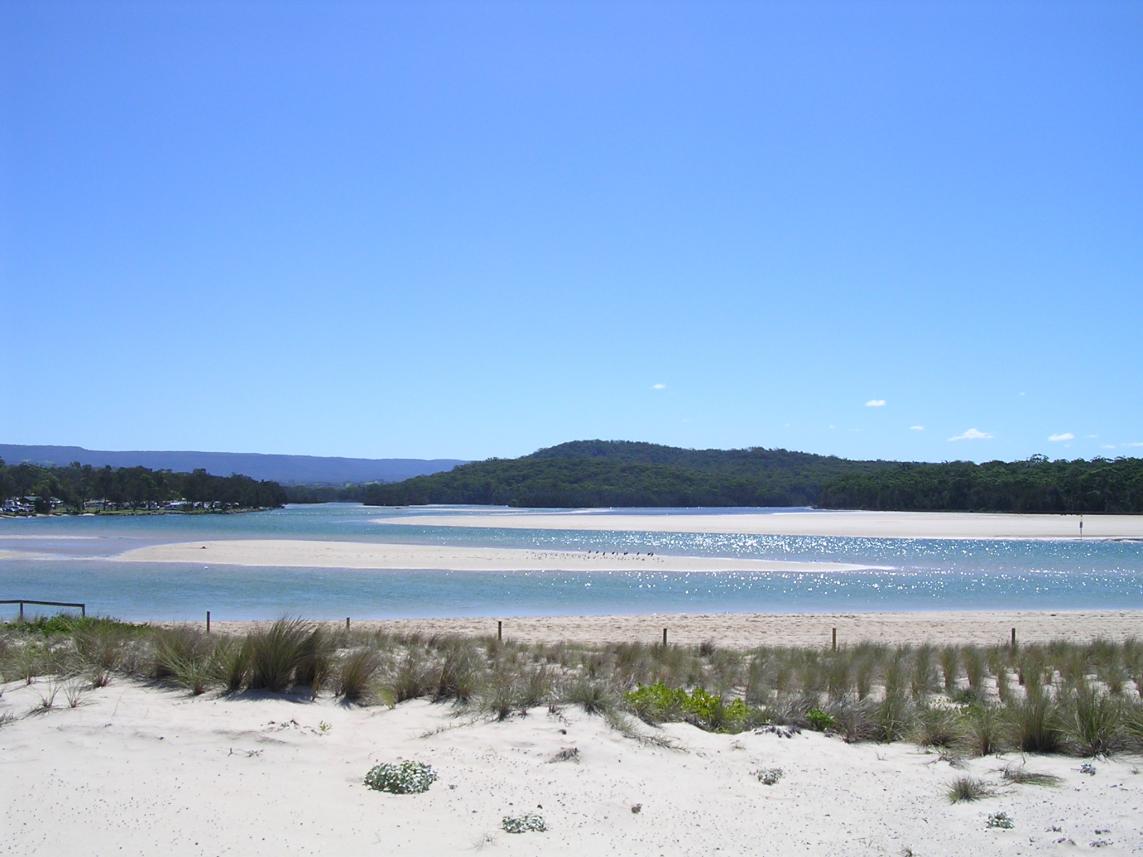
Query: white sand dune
749 630
144 771
870 524
303 553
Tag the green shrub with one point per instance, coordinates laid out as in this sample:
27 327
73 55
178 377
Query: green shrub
657 703
820 721
401 778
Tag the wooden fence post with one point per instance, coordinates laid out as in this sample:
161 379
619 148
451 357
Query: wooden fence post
835 639
208 621
499 630
1014 638
664 637
347 623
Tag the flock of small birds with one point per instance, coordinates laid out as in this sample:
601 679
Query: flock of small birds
562 554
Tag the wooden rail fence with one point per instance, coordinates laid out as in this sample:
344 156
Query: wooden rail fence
23 601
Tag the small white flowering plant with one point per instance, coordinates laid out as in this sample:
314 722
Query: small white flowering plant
401 778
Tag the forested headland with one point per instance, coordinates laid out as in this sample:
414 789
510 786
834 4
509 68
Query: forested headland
31 488
622 473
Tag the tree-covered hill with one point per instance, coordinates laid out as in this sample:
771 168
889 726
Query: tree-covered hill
623 473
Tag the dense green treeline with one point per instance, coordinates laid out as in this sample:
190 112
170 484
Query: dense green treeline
620 473
1035 485
127 487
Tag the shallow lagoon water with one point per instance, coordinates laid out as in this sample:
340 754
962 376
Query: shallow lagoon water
917 574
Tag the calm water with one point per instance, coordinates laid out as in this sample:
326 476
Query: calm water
915 574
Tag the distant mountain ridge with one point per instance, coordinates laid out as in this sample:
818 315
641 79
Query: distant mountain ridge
285 469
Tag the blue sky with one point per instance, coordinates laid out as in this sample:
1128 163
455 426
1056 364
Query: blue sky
464 230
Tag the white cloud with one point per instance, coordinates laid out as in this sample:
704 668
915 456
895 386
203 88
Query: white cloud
1107 446
1064 435
1136 443
916 428
971 434
658 386
875 403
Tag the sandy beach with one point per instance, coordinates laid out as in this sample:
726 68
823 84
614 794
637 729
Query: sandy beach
749 630
911 525
302 553
141 770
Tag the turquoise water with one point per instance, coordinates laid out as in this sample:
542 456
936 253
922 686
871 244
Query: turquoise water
914 574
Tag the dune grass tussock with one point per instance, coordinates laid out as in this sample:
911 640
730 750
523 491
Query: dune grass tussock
968 788
1060 697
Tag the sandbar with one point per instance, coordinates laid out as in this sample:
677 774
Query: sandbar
301 553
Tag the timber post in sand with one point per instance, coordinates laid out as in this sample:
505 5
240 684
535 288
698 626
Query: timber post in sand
834 643
208 621
664 638
1013 638
499 630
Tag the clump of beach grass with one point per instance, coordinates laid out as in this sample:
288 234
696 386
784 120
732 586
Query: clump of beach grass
1093 721
1021 776
984 729
968 789
355 674
1035 724
276 653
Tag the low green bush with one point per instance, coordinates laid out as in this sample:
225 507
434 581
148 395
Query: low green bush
658 703
820 721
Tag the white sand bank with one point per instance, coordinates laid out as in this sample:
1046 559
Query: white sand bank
915 525
749 630
144 771
375 555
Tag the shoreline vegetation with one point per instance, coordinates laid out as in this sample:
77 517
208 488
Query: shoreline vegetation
1079 698
596 473
986 749
29 490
